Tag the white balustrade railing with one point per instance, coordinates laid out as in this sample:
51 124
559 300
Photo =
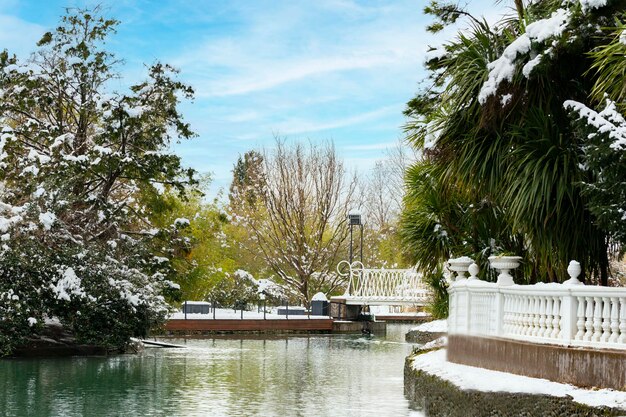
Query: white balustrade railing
568 314
385 285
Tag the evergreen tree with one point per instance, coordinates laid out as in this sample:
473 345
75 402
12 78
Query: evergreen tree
76 163
247 180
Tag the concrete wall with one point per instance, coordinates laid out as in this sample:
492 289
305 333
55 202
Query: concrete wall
578 366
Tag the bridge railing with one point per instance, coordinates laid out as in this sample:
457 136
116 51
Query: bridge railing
568 314
401 285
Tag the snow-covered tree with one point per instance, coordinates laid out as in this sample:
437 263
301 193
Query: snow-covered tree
77 161
499 125
297 220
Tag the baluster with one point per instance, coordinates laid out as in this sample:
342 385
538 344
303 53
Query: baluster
614 320
597 319
505 316
519 328
622 320
521 303
485 314
548 330
588 319
536 315
513 315
524 315
527 316
606 320
580 324
541 323
479 312
556 318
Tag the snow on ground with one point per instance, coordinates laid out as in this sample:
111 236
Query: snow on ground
414 314
437 343
471 378
230 314
435 326
392 311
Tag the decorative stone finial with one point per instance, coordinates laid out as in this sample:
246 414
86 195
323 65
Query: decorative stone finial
473 271
574 271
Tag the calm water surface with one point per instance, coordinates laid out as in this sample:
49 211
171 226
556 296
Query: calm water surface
317 375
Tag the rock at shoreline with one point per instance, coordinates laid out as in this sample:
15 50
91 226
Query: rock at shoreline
416 336
55 340
427 332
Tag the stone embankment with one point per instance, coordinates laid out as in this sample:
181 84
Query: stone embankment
440 388
439 395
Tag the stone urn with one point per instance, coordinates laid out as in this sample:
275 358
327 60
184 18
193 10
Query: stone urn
504 264
460 266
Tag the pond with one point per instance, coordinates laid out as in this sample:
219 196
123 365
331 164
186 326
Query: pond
315 375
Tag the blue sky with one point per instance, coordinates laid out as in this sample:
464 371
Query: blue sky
338 70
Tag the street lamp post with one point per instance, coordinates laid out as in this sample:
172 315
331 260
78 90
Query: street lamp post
354 219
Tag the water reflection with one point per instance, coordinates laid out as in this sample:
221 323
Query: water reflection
288 376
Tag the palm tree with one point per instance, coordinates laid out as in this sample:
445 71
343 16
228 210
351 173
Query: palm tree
514 144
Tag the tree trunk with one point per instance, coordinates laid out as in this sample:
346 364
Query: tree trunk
604 268
519 5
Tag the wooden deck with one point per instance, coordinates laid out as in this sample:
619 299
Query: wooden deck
246 325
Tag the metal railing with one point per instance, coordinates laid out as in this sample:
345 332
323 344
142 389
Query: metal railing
401 286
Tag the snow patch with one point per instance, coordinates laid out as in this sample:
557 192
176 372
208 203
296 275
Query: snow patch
47 219
435 53
181 222
435 344
320 296
435 326
592 4
160 259
68 285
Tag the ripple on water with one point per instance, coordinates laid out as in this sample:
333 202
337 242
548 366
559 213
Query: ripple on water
288 376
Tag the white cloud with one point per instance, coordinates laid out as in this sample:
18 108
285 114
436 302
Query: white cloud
286 44
381 146
296 126
19 36
275 74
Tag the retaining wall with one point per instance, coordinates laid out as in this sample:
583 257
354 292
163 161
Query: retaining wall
603 368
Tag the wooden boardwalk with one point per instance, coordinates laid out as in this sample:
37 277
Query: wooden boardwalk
248 325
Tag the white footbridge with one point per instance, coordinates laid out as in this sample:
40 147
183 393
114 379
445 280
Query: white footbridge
372 287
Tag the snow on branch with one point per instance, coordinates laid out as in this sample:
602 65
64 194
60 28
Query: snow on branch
504 67
608 121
